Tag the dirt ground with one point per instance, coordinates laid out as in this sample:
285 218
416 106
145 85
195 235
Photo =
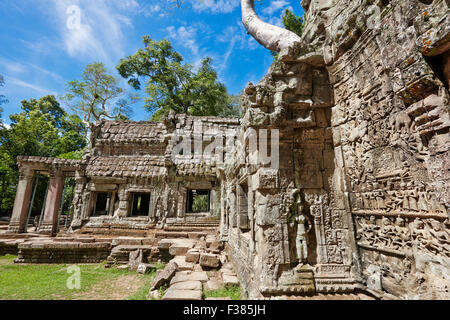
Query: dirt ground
117 289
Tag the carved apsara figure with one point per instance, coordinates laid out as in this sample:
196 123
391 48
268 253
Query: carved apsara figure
402 234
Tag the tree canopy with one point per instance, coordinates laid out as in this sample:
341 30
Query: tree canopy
43 128
173 85
98 95
293 23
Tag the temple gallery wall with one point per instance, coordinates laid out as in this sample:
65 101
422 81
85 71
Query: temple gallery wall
358 199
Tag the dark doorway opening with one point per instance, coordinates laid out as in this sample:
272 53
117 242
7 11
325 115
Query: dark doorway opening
141 204
102 200
198 201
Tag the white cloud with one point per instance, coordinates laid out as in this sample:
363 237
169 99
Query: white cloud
215 6
185 36
23 84
273 13
275 6
100 36
12 66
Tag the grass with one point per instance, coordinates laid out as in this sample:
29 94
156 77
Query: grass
43 281
234 292
142 293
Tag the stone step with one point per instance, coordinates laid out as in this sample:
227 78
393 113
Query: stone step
182 295
186 285
182 264
230 280
183 276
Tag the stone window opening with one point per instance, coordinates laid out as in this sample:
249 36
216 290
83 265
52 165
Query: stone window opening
198 201
140 204
102 202
243 221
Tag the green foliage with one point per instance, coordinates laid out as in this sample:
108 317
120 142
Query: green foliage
234 292
291 23
98 95
73 155
43 128
234 109
49 281
200 203
173 85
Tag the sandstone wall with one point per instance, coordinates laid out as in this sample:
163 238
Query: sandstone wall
362 109
163 159
391 115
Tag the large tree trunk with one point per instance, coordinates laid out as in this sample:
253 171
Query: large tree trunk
271 37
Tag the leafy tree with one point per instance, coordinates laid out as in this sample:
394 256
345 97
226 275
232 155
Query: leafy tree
98 95
291 23
172 85
43 128
234 109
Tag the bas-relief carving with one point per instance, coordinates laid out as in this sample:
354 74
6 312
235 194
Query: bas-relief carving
392 153
362 187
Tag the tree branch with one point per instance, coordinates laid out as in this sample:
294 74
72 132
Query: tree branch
271 37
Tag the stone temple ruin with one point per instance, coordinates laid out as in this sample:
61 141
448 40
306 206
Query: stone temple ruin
358 199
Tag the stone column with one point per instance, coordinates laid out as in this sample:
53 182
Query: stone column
52 203
111 205
22 201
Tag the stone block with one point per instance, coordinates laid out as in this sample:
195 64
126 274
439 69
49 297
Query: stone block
186 285
230 280
180 247
182 264
265 178
183 295
165 244
189 276
193 256
164 276
144 268
209 260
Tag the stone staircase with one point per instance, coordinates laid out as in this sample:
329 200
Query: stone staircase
209 227
197 265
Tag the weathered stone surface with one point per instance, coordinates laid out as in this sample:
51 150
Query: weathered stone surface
182 295
355 192
164 276
154 295
144 268
193 255
212 285
180 247
183 265
184 276
230 280
186 285
136 258
209 260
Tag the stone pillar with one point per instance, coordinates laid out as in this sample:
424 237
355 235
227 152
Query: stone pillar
52 203
111 205
22 201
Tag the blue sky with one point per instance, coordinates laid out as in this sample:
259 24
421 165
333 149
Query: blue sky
39 53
